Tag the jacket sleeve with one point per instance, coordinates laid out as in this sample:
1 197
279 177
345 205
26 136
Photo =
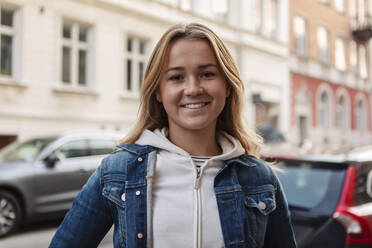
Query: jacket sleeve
279 231
88 220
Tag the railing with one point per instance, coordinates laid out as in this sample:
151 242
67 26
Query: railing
361 28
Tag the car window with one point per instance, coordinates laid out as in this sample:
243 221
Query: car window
309 185
101 146
26 150
73 149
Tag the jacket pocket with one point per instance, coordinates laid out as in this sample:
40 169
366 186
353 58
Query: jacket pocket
114 189
259 203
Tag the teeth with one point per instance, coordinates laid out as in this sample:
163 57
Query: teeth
194 105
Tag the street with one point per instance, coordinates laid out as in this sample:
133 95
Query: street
38 235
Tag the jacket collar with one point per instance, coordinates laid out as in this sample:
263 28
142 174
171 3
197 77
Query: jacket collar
245 160
136 149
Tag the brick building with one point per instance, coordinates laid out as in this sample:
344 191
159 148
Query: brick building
330 66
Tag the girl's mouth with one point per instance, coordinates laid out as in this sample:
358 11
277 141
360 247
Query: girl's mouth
195 105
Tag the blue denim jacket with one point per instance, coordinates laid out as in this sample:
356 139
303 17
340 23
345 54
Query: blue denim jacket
252 207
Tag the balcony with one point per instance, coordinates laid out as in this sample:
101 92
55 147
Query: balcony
361 28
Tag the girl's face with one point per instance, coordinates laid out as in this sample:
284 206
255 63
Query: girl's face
192 89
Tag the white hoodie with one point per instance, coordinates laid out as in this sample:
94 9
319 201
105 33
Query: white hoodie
185 215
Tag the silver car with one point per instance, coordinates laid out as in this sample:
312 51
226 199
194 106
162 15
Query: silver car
40 177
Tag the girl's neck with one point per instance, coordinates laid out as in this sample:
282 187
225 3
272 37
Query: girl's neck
195 142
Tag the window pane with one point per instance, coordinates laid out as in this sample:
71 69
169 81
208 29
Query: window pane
82 67
340 54
142 47
67 29
101 147
6 55
140 67
185 4
362 62
83 33
353 55
6 17
129 74
129 45
66 64
257 14
78 148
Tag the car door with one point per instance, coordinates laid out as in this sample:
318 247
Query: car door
57 186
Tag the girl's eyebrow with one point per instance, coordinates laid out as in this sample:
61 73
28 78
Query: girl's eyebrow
179 68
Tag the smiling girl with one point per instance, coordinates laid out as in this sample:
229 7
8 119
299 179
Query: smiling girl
188 175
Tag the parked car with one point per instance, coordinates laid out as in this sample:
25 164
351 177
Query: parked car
330 198
40 177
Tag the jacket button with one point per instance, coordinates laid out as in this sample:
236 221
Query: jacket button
261 205
139 235
138 192
140 159
123 197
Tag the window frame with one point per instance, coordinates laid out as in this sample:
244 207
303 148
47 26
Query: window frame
324 54
301 50
12 31
75 46
136 57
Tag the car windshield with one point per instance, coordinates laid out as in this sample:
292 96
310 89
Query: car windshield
24 151
311 185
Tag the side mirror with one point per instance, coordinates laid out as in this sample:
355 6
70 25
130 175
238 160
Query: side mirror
51 160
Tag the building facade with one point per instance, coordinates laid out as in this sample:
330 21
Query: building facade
330 65
79 64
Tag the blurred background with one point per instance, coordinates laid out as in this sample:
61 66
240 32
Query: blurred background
78 64
306 65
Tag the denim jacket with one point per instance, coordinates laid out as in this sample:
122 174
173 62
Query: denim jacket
252 207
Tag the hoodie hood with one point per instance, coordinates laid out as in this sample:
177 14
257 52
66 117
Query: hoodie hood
230 146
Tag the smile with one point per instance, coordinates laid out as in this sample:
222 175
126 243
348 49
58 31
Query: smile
195 105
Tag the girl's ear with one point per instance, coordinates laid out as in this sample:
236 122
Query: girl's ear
158 96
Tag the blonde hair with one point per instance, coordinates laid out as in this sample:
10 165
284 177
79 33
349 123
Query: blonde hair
152 114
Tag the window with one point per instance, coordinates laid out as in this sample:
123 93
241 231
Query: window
340 54
220 8
341 113
300 35
363 62
101 146
360 116
324 110
353 56
352 8
185 4
75 38
135 63
271 19
361 12
7 34
257 14
323 45
73 149
340 5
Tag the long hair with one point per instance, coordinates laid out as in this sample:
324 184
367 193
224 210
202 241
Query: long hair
152 114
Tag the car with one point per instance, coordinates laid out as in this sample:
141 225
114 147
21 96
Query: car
329 196
40 177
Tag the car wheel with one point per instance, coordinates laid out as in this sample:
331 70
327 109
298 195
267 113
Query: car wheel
10 213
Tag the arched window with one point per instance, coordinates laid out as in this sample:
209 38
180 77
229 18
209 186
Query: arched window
360 116
324 110
341 113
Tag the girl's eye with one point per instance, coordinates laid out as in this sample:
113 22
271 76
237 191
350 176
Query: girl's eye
207 74
176 77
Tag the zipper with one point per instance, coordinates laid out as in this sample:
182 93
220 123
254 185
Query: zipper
198 209
197 219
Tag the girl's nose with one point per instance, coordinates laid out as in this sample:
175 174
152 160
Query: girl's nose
193 86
